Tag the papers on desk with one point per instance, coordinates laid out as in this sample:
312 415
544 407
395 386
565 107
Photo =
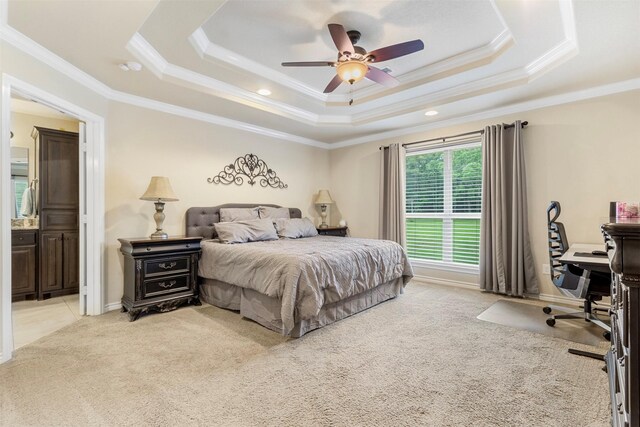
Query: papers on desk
589 255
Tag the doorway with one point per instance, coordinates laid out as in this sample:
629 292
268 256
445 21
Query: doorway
44 225
91 204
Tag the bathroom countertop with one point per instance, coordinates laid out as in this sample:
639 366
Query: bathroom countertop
24 227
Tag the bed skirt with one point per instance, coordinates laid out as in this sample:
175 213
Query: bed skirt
266 310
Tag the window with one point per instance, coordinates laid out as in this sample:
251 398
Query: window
444 196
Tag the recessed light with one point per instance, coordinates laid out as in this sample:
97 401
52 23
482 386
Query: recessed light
264 92
130 66
431 113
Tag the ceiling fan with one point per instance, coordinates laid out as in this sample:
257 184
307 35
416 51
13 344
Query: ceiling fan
354 63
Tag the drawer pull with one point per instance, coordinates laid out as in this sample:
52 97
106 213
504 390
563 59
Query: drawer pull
167 266
164 285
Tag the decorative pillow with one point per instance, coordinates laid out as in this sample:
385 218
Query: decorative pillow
238 214
295 228
273 213
252 230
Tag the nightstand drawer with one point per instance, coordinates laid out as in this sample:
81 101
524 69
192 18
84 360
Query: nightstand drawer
166 285
169 265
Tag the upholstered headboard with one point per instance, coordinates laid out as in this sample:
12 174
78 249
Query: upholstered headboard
199 221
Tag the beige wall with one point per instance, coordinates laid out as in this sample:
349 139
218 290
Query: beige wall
22 125
583 154
142 143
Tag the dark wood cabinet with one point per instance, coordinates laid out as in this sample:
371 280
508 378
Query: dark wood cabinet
159 274
623 359
24 264
333 231
59 262
59 209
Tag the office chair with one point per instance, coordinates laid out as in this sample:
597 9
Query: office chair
585 284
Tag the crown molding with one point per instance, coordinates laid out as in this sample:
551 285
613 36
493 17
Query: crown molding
206 49
469 59
25 44
536 104
159 66
446 96
166 71
40 53
189 113
408 98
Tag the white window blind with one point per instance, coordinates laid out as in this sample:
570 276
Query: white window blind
444 196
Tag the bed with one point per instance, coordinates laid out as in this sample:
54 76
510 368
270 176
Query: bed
294 286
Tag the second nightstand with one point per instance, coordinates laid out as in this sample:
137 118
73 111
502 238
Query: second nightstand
159 274
333 231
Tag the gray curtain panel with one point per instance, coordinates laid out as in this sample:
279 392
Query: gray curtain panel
506 261
392 224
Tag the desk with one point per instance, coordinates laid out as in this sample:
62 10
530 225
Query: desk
594 263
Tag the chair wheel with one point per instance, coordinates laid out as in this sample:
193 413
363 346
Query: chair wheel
607 335
551 321
547 310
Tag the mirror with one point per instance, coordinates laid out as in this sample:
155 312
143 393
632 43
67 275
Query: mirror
23 202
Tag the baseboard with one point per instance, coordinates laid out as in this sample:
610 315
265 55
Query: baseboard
446 282
559 299
574 302
113 306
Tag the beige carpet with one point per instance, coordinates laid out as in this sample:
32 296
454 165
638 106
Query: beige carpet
422 359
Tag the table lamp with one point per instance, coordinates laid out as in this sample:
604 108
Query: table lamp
159 192
323 199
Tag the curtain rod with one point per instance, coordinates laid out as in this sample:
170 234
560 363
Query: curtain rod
444 138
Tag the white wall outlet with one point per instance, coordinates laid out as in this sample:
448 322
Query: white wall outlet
545 269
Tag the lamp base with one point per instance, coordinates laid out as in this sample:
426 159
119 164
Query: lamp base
323 215
159 235
159 218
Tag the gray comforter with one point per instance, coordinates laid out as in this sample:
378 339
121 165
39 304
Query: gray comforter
306 273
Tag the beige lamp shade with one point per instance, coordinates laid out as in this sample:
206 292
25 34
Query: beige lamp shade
159 190
324 198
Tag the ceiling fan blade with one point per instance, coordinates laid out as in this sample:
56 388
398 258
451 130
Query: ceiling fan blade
309 64
379 76
396 50
333 84
340 38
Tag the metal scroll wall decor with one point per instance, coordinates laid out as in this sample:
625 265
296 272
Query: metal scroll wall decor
251 167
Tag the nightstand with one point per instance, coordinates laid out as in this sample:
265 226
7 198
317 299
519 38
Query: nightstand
159 274
333 231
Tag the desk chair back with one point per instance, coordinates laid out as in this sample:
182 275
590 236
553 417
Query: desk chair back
565 279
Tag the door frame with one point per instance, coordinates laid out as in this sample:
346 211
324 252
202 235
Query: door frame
92 195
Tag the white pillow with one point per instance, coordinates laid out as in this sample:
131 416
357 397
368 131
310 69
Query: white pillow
295 228
253 230
238 214
273 213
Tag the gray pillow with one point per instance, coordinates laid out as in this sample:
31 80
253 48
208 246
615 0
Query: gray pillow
295 228
238 214
253 230
273 213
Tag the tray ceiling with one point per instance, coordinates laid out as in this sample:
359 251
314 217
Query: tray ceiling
211 57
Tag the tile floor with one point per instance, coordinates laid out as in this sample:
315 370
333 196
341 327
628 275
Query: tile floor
33 320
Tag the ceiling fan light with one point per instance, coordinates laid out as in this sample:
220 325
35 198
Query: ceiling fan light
352 71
